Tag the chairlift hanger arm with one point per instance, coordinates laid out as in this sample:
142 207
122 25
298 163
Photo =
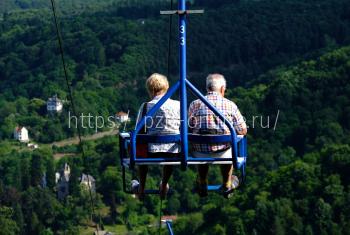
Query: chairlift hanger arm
181 12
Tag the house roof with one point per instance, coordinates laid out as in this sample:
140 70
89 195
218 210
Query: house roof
66 166
54 99
62 175
169 217
86 178
19 128
121 114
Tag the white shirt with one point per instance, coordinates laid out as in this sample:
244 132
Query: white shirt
166 121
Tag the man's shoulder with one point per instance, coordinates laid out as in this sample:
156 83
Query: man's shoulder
196 102
230 102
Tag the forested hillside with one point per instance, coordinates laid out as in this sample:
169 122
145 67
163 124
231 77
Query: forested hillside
108 52
298 173
288 69
67 7
293 187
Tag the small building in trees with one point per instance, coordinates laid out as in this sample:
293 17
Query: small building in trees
88 182
122 117
54 104
167 218
103 233
21 134
32 146
171 218
62 182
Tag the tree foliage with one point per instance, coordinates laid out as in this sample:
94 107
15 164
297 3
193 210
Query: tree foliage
298 114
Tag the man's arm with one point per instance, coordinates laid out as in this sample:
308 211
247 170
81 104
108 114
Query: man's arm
238 121
190 117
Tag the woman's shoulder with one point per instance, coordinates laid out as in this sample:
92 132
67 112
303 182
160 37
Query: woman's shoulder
174 103
171 105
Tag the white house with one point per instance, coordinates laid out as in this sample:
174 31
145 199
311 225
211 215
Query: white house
21 134
54 104
62 182
88 182
122 117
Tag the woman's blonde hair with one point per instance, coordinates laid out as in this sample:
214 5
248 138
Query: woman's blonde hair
157 84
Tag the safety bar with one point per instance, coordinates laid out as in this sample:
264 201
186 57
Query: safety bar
144 138
240 158
196 138
158 138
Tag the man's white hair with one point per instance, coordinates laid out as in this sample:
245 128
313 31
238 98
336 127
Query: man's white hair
215 82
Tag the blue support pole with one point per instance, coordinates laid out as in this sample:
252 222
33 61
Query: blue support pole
170 229
183 75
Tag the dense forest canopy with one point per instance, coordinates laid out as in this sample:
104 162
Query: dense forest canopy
111 49
285 61
65 5
304 183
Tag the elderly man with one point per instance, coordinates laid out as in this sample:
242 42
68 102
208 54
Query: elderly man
203 121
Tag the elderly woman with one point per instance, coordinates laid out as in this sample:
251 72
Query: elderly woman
166 121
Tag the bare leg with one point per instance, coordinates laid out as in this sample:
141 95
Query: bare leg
163 188
202 181
203 173
143 170
226 172
167 171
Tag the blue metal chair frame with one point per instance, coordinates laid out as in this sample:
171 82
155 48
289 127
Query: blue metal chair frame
239 144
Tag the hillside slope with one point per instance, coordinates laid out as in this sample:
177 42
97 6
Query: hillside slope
298 180
110 53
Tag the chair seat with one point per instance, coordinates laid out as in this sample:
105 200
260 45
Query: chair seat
190 161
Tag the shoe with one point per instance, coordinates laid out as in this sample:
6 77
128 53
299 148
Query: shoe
227 192
163 191
202 189
135 187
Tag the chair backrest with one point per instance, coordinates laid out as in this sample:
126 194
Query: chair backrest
144 138
161 139
210 139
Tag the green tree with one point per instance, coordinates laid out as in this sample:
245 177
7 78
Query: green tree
323 217
7 224
18 217
111 185
37 168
